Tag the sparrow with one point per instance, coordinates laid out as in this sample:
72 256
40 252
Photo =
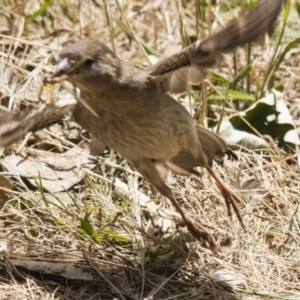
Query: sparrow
130 110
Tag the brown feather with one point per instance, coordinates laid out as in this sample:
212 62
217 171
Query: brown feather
189 66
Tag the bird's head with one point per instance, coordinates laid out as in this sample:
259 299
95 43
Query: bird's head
83 57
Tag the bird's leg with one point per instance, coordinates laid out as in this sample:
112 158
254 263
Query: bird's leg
148 170
229 196
163 173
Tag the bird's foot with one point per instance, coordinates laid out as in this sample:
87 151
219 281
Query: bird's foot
229 196
200 233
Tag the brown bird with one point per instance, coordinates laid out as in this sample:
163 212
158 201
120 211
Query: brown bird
129 110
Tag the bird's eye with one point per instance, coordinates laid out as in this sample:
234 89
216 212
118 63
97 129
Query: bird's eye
89 62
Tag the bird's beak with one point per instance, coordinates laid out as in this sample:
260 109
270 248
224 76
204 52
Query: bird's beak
62 68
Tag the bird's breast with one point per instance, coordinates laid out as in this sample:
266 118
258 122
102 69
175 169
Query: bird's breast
137 123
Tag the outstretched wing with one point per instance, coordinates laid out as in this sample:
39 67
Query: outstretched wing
190 65
14 125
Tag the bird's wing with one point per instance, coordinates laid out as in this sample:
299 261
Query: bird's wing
190 65
14 125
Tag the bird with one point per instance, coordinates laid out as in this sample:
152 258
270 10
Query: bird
131 111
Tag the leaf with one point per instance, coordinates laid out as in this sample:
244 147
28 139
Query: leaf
270 116
242 74
89 229
232 95
234 92
297 6
218 78
234 136
289 47
42 9
228 276
54 172
114 236
149 50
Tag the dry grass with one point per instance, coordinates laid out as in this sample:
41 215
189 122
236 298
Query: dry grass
139 254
